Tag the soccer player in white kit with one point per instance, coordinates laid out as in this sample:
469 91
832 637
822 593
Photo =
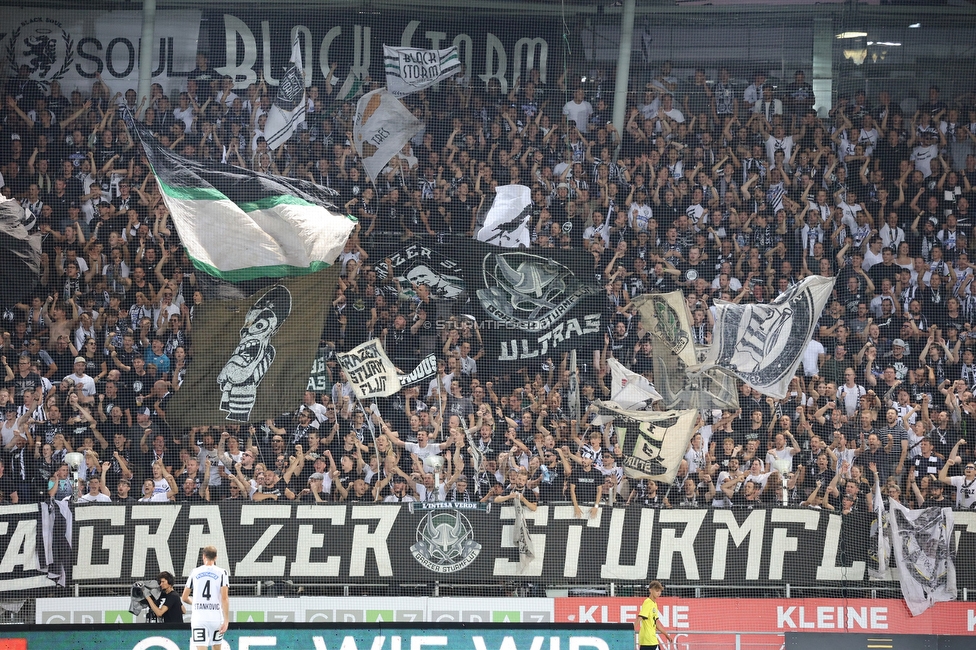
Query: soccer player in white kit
210 614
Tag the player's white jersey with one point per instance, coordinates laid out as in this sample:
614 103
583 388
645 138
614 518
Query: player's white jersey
205 586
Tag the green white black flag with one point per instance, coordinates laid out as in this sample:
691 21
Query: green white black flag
251 356
237 224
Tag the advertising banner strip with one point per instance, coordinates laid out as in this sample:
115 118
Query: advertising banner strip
696 616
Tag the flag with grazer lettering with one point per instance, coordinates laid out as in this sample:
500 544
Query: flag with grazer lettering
921 543
763 344
652 443
369 371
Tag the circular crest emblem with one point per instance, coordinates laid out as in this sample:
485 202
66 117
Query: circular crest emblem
42 45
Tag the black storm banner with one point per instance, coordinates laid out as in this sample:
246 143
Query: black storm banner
389 544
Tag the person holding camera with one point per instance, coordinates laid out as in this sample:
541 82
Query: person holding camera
168 609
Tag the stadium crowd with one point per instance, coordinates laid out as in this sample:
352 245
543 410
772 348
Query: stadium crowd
719 190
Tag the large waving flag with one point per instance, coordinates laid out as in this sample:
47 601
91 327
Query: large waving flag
507 221
250 353
409 69
666 317
237 224
921 543
288 110
380 129
20 251
762 344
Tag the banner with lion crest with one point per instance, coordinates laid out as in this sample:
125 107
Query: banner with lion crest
71 46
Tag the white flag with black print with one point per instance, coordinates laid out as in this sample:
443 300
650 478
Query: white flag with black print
507 221
370 372
381 127
288 110
628 389
521 537
652 443
763 344
880 554
409 69
921 543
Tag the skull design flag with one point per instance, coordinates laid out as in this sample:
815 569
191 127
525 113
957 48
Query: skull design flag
533 306
250 352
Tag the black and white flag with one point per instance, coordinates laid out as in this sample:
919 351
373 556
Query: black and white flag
573 391
507 221
288 110
628 389
541 304
921 543
531 305
763 344
409 69
370 372
521 537
652 442
880 554
666 318
426 369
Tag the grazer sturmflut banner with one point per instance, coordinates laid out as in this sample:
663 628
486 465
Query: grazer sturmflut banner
388 544
369 370
250 353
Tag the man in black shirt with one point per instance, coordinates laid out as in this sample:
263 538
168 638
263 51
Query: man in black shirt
585 486
168 610
520 490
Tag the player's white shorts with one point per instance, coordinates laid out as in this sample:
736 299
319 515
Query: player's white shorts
206 632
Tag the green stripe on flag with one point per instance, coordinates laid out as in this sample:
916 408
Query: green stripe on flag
256 272
269 202
211 194
190 193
